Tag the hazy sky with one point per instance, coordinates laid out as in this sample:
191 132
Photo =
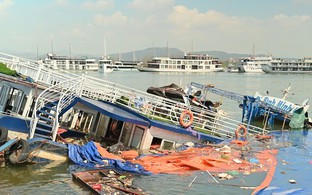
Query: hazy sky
282 28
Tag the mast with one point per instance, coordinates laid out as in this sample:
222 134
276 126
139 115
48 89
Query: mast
52 45
133 56
104 48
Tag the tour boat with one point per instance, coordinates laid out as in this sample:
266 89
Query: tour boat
189 63
54 61
279 65
105 65
252 64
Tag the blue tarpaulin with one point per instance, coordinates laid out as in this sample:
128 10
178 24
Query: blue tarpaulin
88 155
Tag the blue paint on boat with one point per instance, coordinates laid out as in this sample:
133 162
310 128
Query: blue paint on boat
8 144
17 124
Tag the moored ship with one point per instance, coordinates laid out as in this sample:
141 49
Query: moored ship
56 62
279 65
189 63
252 64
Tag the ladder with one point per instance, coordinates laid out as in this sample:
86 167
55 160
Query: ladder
50 104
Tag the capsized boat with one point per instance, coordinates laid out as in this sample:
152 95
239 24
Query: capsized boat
265 107
270 108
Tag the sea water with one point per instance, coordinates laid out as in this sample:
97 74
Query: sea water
294 157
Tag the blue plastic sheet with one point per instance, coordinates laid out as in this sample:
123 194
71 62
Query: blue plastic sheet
88 155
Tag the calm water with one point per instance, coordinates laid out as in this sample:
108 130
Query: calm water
295 146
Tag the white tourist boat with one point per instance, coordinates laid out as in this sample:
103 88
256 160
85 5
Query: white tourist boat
56 62
279 65
125 65
189 63
105 65
253 64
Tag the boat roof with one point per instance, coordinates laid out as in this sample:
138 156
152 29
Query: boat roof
115 111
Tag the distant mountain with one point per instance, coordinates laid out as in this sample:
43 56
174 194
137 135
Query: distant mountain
148 54
173 52
144 54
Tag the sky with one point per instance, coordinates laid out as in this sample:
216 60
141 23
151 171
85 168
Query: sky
282 28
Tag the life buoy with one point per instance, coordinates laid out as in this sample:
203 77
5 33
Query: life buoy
184 114
237 131
20 152
3 135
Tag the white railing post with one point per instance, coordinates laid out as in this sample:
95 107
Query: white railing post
38 72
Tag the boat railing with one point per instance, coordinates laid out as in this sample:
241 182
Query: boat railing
51 103
149 105
35 69
163 109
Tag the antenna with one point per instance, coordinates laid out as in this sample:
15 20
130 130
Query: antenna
104 48
52 45
119 56
133 56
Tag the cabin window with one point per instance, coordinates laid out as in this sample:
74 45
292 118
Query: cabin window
30 112
14 99
4 95
22 105
114 129
156 143
154 66
126 133
167 145
84 121
137 137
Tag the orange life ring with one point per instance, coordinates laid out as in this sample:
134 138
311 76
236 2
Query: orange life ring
183 115
237 134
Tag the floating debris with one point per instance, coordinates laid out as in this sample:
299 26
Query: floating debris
292 181
107 182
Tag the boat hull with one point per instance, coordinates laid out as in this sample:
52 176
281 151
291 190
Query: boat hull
145 69
268 69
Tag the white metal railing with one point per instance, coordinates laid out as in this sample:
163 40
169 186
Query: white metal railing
64 94
152 106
